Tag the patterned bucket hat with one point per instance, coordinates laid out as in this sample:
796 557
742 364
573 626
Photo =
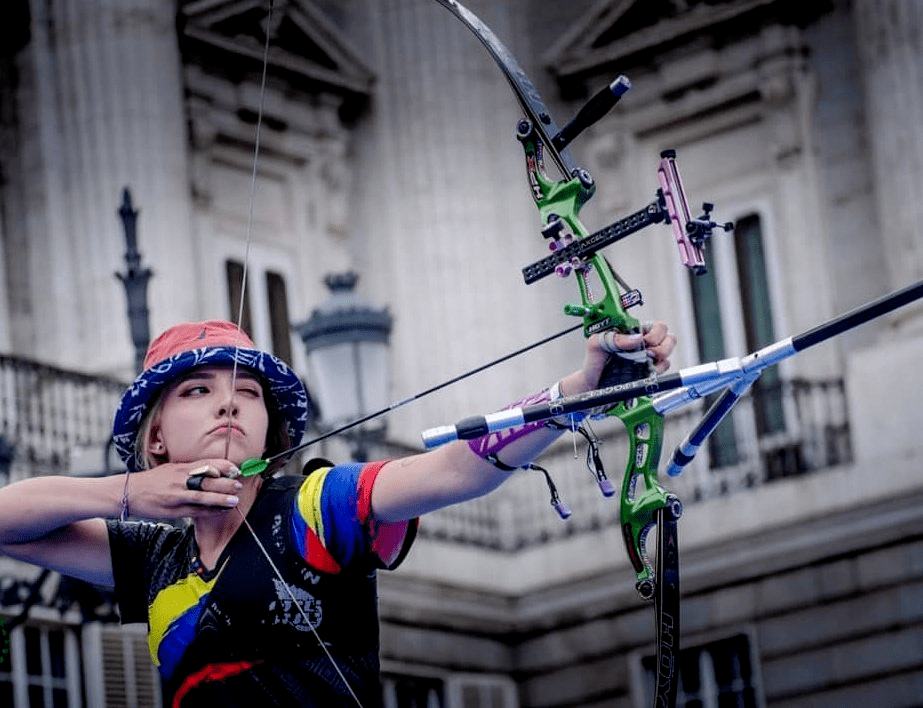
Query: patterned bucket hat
189 345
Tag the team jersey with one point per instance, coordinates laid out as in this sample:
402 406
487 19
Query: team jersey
233 634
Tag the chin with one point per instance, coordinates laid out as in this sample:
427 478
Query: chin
236 454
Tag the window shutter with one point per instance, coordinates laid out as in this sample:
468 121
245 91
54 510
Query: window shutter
126 678
479 691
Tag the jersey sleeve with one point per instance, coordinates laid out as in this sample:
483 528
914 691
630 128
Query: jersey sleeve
134 547
334 528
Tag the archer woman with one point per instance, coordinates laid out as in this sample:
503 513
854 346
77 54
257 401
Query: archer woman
267 597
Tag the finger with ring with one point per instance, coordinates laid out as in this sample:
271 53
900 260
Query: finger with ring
194 482
614 342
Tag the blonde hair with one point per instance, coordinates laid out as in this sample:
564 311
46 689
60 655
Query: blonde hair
144 458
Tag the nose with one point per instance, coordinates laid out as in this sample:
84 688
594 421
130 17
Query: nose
228 409
227 405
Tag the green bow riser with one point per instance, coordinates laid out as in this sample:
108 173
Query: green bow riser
601 311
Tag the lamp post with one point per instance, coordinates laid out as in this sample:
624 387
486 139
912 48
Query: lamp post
346 341
135 281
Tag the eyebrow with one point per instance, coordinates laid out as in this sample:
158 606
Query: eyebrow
208 375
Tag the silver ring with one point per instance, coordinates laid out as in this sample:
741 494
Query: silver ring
194 483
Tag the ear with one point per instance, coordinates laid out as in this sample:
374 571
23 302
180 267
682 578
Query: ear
156 445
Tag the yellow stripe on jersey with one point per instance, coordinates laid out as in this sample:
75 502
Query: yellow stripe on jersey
309 501
170 604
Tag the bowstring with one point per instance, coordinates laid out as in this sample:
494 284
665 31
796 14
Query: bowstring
301 610
240 317
249 227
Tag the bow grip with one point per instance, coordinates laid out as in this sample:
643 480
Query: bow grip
625 368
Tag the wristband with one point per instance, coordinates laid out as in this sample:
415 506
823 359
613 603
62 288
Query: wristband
487 446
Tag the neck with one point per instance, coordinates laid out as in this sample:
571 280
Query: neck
214 531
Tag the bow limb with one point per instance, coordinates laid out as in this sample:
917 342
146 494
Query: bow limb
529 99
603 307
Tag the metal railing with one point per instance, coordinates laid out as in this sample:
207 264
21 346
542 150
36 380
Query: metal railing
48 416
810 432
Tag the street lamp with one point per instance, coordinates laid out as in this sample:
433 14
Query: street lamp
346 341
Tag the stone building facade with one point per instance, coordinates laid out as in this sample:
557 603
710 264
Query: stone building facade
386 146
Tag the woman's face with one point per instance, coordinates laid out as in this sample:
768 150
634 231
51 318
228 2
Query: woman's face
201 416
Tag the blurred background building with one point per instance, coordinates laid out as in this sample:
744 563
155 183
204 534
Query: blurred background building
387 151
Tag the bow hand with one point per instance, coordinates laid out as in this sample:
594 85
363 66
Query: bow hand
613 358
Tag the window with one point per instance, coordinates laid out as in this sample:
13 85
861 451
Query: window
235 275
270 315
735 307
757 316
6 668
722 444
45 673
480 691
42 668
413 692
119 672
721 674
278 316
453 690
128 675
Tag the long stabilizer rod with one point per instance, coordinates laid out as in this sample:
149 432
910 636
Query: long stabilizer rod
692 382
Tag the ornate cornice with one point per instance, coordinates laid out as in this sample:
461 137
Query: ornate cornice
305 46
626 32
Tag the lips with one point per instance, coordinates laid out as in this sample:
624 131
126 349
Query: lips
224 427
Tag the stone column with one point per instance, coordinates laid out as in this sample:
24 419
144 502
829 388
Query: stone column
102 108
883 413
890 38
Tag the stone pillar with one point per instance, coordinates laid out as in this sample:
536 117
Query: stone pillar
101 109
883 412
890 39
453 211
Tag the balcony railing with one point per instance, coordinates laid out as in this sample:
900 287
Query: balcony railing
790 428
49 415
